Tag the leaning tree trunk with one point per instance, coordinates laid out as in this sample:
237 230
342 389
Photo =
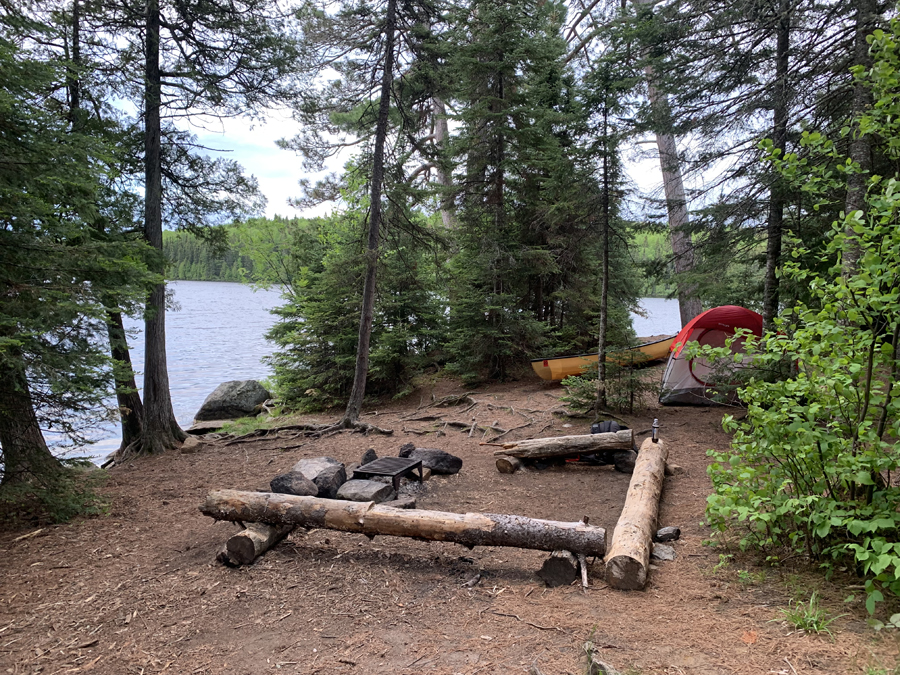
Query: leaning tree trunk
25 454
860 150
469 529
131 410
367 313
676 202
160 431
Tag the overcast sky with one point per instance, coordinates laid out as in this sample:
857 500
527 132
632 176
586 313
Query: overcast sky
278 171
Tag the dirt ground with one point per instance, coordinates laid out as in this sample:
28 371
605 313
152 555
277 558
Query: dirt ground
139 591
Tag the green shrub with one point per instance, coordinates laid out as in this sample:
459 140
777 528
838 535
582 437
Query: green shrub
812 468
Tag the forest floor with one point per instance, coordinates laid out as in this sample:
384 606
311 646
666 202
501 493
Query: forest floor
139 591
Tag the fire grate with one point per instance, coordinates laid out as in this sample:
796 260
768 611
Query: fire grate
393 467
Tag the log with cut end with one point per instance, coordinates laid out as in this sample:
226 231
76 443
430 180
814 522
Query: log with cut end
470 529
248 544
569 445
508 464
560 569
629 550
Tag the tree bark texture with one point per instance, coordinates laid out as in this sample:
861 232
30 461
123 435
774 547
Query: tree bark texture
779 140
24 452
131 410
860 150
676 203
248 544
604 274
569 445
160 429
629 551
367 312
470 529
441 134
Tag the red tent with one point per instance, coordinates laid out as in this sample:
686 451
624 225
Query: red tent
685 380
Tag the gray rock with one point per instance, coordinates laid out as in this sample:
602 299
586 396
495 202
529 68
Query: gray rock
358 490
662 552
191 445
368 456
667 534
294 483
624 461
436 460
230 400
327 473
405 449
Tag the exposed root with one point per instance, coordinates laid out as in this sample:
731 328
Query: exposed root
521 426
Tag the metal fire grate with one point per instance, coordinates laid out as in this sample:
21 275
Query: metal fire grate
393 467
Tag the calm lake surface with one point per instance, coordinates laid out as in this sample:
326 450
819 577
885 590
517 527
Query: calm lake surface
217 334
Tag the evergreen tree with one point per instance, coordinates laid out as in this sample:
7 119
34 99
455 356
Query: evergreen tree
62 274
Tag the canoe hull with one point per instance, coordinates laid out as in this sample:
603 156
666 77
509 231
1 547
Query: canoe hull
565 366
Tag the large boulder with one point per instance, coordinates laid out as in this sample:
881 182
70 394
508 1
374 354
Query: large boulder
230 400
326 472
436 460
294 483
358 490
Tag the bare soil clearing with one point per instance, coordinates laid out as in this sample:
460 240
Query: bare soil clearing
139 591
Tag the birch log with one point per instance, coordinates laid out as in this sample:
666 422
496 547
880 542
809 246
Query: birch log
569 445
470 529
629 550
247 545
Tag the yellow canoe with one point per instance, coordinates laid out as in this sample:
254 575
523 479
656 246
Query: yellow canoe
564 366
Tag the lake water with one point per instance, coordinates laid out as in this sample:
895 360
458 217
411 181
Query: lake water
217 335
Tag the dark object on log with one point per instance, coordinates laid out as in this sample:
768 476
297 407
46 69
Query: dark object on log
667 534
560 569
629 550
247 545
436 460
470 529
508 464
326 472
606 427
294 483
624 461
368 456
569 445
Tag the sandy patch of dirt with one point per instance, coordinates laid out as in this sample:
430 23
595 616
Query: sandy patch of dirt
138 591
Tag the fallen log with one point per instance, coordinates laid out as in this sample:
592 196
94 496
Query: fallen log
248 544
629 550
507 464
470 529
560 569
569 445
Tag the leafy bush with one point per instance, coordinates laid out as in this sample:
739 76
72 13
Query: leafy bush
813 467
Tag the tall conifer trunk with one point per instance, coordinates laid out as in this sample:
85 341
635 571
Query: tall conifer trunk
160 429
779 139
860 150
367 313
676 202
127 396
